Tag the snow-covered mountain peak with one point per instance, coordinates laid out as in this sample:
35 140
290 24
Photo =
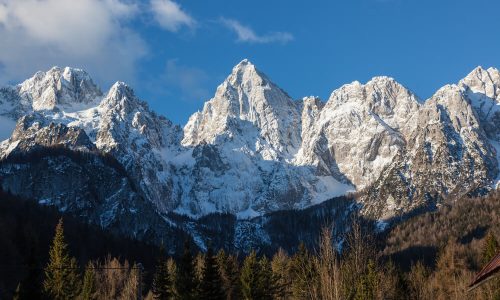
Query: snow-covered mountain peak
247 97
120 94
378 89
122 105
482 88
490 74
452 104
59 87
485 81
382 96
386 84
446 90
247 77
124 116
244 66
312 100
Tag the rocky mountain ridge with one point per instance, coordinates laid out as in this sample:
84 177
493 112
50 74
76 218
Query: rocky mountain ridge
253 150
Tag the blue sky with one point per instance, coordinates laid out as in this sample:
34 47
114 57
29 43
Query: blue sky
175 54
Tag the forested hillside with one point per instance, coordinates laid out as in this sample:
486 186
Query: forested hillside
26 230
431 256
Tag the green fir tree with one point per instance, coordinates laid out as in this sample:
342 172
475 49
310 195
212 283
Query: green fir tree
88 285
62 280
251 286
211 287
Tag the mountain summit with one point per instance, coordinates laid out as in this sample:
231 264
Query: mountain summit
248 98
59 88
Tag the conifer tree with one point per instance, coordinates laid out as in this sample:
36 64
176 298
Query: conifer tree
229 270
198 264
304 276
280 269
250 277
211 287
266 280
162 284
185 284
367 285
62 280
88 285
172 273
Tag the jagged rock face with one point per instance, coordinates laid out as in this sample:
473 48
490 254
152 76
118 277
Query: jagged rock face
248 96
59 165
255 130
359 131
311 109
33 130
139 138
58 87
253 150
483 91
447 156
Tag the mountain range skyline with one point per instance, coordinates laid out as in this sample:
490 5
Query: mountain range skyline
314 150
246 60
170 51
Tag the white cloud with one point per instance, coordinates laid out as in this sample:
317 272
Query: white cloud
92 34
170 15
122 9
246 34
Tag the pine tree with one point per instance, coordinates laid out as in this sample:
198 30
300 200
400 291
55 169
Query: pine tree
280 268
172 273
185 284
88 285
162 284
61 275
250 277
199 263
303 273
367 285
132 284
211 287
266 280
490 248
229 270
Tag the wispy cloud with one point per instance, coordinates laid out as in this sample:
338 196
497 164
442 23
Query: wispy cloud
170 15
37 34
247 34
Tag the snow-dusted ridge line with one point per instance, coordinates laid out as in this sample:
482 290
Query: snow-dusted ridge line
252 149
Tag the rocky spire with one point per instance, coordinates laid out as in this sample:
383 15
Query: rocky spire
247 95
